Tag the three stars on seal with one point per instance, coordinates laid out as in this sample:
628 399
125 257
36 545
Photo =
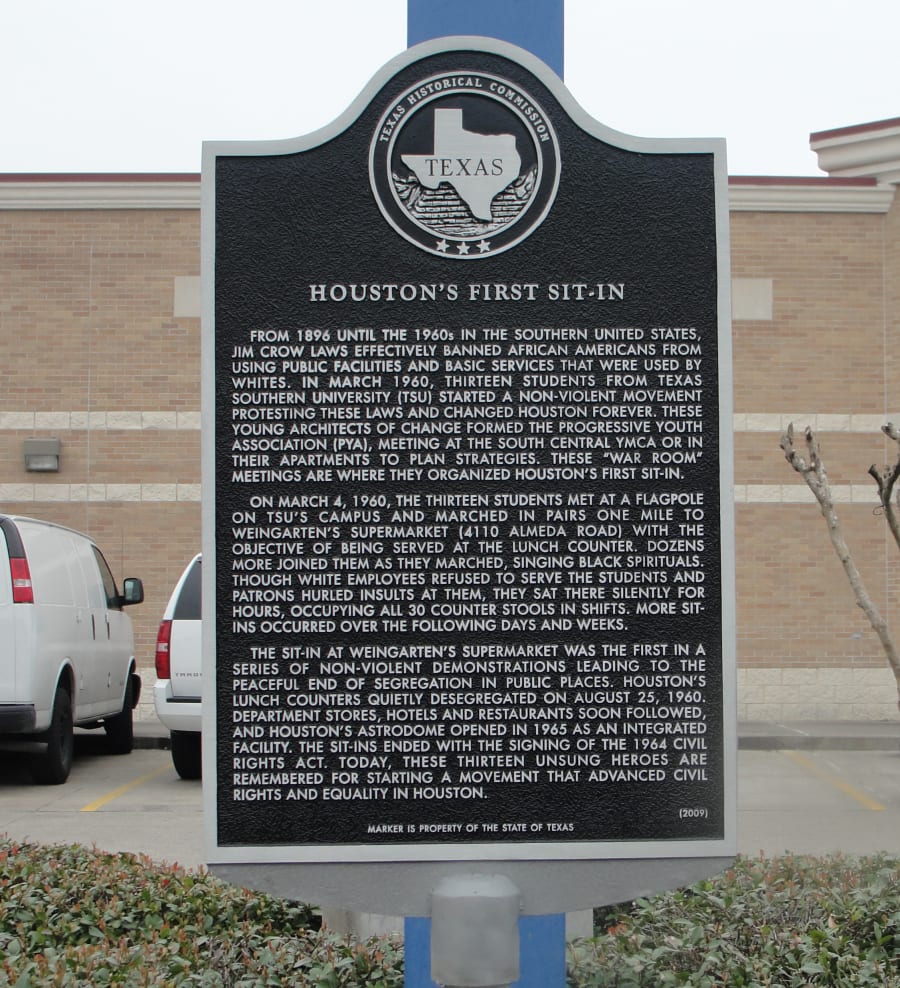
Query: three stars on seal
484 246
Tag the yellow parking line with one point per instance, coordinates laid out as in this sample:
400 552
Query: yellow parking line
833 780
110 796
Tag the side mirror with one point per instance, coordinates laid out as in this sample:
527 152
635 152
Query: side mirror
133 591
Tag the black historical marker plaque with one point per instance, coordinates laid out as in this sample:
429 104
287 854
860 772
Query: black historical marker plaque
467 359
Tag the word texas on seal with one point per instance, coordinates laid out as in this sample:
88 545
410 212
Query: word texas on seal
464 165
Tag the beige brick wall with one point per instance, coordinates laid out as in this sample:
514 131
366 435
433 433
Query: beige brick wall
758 458
794 605
892 304
111 456
93 355
816 694
805 649
87 310
824 348
98 351
821 359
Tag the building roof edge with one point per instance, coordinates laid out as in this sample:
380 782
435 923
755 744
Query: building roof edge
863 150
766 193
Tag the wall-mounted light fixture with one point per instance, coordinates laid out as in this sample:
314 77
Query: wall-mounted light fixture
42 455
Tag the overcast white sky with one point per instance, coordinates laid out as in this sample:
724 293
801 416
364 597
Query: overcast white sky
117 86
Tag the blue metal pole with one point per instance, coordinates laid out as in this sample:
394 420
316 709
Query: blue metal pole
542 954
537 26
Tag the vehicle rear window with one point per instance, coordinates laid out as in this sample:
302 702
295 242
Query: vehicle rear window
187 607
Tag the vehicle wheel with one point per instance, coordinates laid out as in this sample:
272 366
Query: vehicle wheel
120 728
187 754
53 766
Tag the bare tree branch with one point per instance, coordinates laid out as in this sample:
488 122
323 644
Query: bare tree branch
885 481
812 469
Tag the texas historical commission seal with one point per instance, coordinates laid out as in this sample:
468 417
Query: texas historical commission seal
464 165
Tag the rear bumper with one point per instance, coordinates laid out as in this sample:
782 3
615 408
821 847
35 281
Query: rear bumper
176 714
17 718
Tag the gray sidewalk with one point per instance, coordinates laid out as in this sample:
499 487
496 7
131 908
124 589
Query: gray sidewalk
837 735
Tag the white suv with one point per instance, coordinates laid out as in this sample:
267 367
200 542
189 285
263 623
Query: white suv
176 693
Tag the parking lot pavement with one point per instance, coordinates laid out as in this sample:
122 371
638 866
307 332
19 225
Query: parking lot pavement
819 801
809 799
132 802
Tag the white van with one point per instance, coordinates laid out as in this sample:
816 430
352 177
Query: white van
66 645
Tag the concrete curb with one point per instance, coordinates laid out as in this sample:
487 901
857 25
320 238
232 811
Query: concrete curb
784 742
146 741
835 735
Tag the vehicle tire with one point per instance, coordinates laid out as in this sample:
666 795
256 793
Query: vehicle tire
120 727
187 754
53 766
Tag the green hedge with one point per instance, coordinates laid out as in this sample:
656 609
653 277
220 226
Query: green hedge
74 916
789 922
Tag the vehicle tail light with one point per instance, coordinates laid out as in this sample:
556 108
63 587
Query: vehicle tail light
163 637
23 592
